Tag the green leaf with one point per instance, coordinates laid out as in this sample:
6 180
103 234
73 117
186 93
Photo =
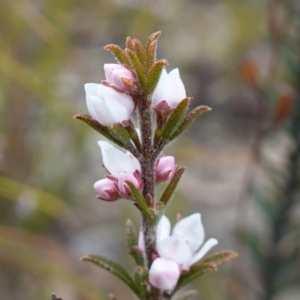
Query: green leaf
189 119
112 267
132 242
140 278
194 272
139 199
119 54
151 48
104 130
138 68
140 52
175 119
209 263
154 75
168 193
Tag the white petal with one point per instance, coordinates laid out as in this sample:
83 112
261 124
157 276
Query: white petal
108 69
191 230
141 241
164 274
96 104
163 229
159 89
115 160
176 249
204 249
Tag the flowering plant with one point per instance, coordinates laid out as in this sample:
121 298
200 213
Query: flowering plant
139 86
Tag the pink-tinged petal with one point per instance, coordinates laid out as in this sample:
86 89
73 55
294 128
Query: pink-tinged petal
108 70
117 161
175 90
204 249
157 95
170 88
122 185
106 190
174 248
106 105
191 230
165 168
141 241
164 274
163 229
114 73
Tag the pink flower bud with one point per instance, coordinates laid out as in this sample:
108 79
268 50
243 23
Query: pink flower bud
122 185
165 168
106 190
164 274
106 105
170 90
114 74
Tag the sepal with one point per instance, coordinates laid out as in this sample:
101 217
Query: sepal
189 119
131 242
209 263
118 53
112 267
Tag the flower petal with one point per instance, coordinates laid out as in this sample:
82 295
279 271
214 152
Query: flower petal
191 230
157 95
106 105
163 229
174 248
117 161
106 190
164 274
204 249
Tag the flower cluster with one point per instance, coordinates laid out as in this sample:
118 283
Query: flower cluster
140 108
177 251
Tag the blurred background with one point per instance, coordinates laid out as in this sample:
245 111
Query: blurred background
242 58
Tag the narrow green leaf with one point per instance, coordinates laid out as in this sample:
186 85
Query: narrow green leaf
154 74
209 263
220 258
168 193
104 130
130 43
134 135
118 53
189 119
175 119
194 272
139 199
138 68
112 267
132 242
140 52
140 277
151 47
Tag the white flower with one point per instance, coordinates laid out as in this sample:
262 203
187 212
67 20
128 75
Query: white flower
106 105
184 246
169 89
122 167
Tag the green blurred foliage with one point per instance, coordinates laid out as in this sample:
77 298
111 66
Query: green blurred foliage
48 161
